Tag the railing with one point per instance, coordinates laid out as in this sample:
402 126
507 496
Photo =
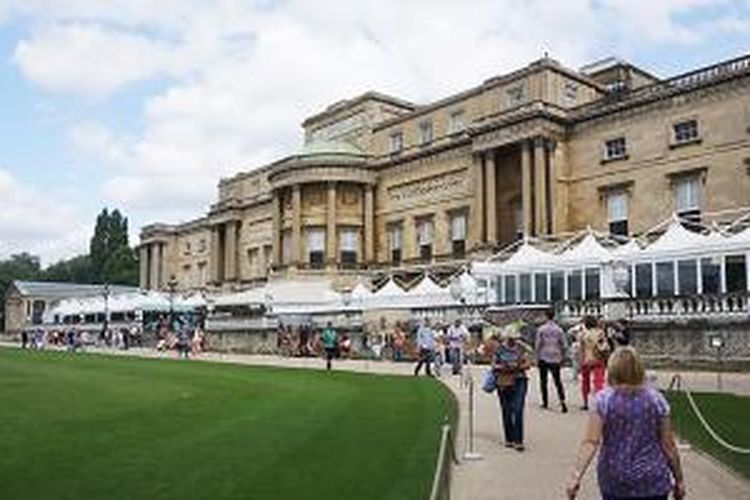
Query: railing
727 305
715 73
441 482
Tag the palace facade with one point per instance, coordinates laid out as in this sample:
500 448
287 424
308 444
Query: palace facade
385 186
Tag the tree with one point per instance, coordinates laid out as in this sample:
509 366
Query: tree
76 270
112 259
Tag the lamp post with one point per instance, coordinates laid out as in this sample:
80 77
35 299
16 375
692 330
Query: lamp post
172 285
105 294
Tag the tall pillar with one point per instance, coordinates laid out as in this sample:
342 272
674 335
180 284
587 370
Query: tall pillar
409 242
491 197
154 263
275 229
551 183
369 225
214 274
143 267
476 228
296 224
161 280
230 251
331 254
540 186
528 207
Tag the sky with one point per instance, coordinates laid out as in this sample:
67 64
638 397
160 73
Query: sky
144 106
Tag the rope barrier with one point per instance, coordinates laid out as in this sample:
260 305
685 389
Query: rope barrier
711 432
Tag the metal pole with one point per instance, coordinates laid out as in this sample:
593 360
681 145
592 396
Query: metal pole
471 454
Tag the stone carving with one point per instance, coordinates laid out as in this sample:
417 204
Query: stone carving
452 182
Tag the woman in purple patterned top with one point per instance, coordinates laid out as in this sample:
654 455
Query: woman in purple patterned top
631 425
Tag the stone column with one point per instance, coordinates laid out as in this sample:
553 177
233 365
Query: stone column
476 227
160 261
528 207
143 266
214 275
491 196
409 244
442 237
154 263
540 186
369 225
230 251
296 224
331 254
551 183
275 228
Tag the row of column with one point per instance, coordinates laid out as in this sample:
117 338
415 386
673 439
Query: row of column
224 256
151 262
536 168
368 224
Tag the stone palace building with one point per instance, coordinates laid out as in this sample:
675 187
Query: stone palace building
385 186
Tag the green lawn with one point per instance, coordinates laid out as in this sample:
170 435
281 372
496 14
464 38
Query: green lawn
728 416
97 427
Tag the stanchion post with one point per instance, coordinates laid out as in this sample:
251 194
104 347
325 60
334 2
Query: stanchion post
470 453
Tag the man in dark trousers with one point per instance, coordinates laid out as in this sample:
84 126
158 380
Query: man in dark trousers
551 346
426 345
330 341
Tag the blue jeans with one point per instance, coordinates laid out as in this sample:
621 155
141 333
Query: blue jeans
455 357
512 401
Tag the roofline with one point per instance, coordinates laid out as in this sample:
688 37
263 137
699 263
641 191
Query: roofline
369 95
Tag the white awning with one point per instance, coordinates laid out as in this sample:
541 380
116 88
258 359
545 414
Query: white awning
587 251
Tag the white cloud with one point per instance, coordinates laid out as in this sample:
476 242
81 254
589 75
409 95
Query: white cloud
240 76
33 221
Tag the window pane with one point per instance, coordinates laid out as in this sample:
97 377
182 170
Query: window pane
575 279
643 280
458 227
664 279
617 207
592 283
687 276
736 273
711 275
558 286
540 285
510 289
525 288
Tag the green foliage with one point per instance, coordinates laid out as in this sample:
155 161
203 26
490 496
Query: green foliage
726 414
173 429
75 270
21 266
112 260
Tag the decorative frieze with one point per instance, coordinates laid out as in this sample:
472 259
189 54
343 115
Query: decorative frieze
454 182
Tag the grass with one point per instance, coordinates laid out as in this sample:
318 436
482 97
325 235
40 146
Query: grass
727 414
92 426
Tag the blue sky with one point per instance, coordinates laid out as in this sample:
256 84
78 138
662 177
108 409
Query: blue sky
144 105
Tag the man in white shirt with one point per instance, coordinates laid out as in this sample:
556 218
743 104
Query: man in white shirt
457 337
426 345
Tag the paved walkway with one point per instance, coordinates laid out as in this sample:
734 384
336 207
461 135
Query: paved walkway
552 438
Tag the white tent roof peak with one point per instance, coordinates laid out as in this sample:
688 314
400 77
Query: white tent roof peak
675 239
587 250
360 291
390 289
427 286
527 255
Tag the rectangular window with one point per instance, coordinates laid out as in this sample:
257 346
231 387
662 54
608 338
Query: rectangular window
524 282
395 241
316 247
458 235
457 122
558 286
592 283
515 95
711 275
687 192
202 245
665 279
575 281
615 149
685 131
510 289
425 133
617 213
643 280
425 231
736 269
540 287
253 254
397 142
687 277
348 243
267 257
